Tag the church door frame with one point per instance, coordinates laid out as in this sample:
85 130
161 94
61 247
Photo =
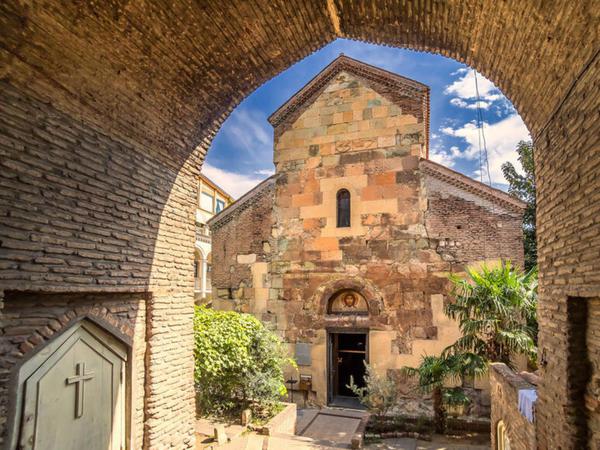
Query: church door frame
331 353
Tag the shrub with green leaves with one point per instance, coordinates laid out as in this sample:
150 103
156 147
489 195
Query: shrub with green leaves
380 393
239 362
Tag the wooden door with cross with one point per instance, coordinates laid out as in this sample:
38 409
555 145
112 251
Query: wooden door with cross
74 398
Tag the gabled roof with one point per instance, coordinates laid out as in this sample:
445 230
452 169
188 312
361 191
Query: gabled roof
470 185
245 201
216 187
387 84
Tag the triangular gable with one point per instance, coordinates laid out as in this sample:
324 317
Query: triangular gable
392 86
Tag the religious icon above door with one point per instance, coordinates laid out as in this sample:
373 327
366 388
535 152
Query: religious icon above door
347 302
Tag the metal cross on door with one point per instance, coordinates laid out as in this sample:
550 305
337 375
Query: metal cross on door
82 370
79 381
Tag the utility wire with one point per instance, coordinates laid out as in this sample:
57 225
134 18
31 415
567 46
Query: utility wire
483 153
481 135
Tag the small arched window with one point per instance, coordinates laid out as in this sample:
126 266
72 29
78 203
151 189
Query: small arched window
343 208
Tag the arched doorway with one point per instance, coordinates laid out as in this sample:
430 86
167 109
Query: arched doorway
120 96
348 348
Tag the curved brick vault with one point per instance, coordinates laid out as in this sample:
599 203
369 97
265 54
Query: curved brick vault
109 107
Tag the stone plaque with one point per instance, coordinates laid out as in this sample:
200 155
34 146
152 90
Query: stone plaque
302 354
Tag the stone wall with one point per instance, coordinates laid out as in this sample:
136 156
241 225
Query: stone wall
351 137
84 211
403 240
505 385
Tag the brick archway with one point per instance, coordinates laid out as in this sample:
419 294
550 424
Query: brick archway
109 109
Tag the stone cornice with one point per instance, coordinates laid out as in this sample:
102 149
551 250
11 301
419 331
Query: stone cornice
473 186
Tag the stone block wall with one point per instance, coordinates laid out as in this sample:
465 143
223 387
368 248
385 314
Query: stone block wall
352 137
404 210
505 385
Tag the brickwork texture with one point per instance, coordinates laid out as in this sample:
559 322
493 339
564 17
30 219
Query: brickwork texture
505 385
108 108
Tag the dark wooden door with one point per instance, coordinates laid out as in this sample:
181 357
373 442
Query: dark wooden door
348 353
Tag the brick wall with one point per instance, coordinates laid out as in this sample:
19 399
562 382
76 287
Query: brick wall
84 211
505 385
568 173
241 238
31 320
469 227
592 390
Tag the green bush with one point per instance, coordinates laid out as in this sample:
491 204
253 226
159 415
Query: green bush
239 363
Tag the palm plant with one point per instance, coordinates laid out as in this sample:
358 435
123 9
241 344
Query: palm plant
495 309
435 371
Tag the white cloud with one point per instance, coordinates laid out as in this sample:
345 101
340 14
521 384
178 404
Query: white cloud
501 137
236 184
459 102
464 92
250 130
265 172
464 87
445 157
460 71
442 157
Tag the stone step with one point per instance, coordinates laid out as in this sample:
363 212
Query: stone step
291 442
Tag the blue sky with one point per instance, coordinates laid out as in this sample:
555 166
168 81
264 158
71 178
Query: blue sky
242 152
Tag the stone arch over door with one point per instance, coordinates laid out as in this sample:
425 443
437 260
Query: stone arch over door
72 393
125 99
362 286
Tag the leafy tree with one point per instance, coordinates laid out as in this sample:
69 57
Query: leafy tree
495 309
523 188
434 371
238 362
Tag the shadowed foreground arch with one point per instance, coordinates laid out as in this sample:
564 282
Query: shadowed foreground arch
108 109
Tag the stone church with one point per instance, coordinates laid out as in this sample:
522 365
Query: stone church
345 251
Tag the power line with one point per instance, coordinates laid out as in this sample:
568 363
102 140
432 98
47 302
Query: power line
483 156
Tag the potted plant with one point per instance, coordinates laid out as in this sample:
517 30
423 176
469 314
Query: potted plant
456 401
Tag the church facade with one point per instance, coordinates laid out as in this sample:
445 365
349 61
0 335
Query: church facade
346 250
